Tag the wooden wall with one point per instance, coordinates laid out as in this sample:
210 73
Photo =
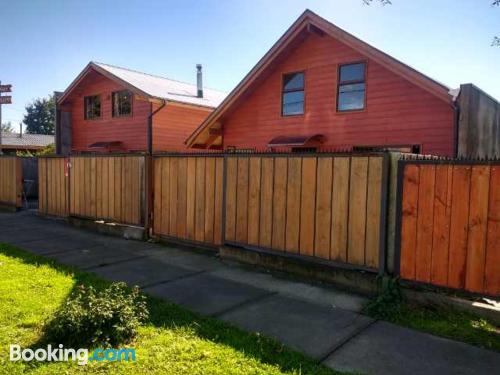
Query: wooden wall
53 183
108 188
450 225
479 124
188 198
11 184
318 206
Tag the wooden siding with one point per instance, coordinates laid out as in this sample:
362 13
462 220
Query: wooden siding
131 130
327 207
10 181
108 188
53 186
174 123
397 112
188 198
450 224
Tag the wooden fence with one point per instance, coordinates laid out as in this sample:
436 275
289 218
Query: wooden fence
11 181
449 224
188 192
327 207
108 188
53 186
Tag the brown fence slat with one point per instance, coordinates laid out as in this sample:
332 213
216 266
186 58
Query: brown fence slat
294 183
492 268
254 190
266 202
279 203
340 208
323 208
242 201
308 206
357 211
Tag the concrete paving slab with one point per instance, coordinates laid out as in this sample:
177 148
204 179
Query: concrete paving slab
208 295
23 235
184 258
94 257
312 329
141 272
314 293
58 245
385 348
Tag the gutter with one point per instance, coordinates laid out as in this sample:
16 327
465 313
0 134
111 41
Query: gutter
150 125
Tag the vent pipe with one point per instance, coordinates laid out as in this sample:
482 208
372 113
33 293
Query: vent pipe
199 81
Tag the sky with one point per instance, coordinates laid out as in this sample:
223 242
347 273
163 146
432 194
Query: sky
45 44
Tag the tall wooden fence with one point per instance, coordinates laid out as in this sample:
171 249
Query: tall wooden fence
449 224
11 181
53 186
188 194
326 207
108 188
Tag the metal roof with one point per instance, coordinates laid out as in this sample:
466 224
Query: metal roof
26 140
165 88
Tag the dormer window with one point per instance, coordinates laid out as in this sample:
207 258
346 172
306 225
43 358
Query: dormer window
122 103
351 87
292 101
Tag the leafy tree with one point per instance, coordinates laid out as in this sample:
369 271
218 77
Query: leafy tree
7 127
40 116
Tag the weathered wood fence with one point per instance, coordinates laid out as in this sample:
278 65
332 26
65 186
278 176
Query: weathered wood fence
449 224
326 207
53 186
11 181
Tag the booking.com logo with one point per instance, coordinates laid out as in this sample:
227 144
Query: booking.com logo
61 354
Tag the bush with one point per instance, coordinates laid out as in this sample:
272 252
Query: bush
89 318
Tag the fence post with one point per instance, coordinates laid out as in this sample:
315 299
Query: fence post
149 183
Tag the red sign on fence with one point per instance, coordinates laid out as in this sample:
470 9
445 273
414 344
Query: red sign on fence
5 99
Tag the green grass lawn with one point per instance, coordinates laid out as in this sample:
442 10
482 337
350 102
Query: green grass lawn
174 341
437 320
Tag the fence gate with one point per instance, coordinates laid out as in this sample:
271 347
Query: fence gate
53 185
448 224
323 207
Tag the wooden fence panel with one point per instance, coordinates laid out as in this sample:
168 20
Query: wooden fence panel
11 181
53 186
322 206
188 198
108 188
449 224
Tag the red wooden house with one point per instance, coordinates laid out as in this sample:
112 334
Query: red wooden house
320 88
112 109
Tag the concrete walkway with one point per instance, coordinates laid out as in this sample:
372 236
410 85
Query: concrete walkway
320 321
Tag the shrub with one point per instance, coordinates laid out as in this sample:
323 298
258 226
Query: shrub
89 318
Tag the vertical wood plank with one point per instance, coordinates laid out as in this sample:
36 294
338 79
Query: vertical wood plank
99 177
459 226
279 206
174 169
373 210
357 211
111 188
231 179
266 202
340 208
441 233
219 191
294 182
254 201
165 196
157 195
242 201
323 207
199 222
182 198
190 197
209 199
93 186
308 206
492 264
478 220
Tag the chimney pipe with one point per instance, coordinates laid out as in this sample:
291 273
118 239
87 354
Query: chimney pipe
20 130
199 81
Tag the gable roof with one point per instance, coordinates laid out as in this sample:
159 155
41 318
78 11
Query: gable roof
311 22
25 141
151 86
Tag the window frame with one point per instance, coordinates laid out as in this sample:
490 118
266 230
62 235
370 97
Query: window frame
339 84
282 92
113 115
85 107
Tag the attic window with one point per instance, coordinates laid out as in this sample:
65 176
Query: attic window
293 94
351 87
92 106
122 103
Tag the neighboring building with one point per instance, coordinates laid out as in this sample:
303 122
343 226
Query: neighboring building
107 109
320 88
13 142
